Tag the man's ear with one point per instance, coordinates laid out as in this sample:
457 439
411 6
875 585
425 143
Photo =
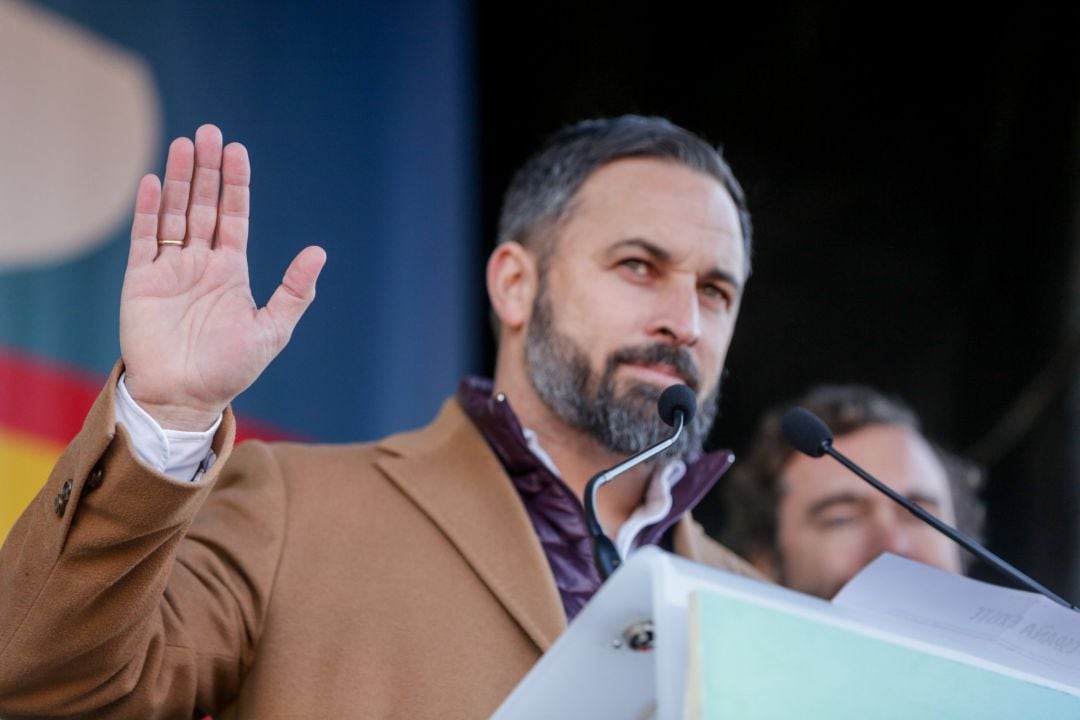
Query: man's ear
512 283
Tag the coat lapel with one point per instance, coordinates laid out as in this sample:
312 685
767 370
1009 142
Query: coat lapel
452 475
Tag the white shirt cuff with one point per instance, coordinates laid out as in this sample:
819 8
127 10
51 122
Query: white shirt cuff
179 454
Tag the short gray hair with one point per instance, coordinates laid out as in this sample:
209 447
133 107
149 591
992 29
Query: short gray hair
541 191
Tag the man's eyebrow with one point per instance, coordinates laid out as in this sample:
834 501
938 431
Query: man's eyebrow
661 255
921 498
718 275
845 498
650 248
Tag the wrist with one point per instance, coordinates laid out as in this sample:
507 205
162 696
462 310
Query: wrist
172 415
178 417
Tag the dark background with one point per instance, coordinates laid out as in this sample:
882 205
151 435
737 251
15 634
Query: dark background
913 180
913 174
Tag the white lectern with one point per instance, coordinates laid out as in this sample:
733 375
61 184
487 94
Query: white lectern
669 639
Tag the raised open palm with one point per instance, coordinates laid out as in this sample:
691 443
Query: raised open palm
191 335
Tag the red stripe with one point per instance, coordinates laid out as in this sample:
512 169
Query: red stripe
42 398
48 400
248 429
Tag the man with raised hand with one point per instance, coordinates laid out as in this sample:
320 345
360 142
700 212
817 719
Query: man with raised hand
160 572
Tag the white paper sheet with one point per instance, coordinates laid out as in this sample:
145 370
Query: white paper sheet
1020 630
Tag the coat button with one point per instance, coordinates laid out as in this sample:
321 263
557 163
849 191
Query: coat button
62 498
93 482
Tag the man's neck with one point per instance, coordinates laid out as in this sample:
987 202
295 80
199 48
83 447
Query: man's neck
578 457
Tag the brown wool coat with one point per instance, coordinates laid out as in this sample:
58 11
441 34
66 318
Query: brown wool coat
394 579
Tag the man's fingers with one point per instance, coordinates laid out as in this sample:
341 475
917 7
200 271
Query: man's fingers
232 226
172 222
295 293
144 226
206 182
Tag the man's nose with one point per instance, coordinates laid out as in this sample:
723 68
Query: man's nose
894 535
678 314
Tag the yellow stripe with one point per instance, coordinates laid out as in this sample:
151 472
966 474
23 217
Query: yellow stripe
25 464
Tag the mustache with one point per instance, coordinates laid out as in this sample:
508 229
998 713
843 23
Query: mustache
678 358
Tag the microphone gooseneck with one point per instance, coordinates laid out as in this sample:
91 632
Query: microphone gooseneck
676 405
810 436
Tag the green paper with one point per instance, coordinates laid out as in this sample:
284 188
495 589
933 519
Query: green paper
751 662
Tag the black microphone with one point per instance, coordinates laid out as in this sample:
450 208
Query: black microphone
805 431
810 436
676 406
675 399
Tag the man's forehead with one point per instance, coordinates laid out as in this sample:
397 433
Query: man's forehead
660 201
895 454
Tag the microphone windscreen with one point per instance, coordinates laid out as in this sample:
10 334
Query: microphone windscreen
805 431
677 397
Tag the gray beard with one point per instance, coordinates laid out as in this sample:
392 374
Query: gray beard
623 423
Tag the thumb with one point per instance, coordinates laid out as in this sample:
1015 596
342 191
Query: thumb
295 293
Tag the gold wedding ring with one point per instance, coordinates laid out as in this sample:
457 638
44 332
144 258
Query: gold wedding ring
177 243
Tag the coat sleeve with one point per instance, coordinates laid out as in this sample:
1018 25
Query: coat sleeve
129 595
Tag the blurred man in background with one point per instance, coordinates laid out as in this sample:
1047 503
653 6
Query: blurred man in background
810 524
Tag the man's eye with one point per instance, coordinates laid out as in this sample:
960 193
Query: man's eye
837 521
716 292
636 266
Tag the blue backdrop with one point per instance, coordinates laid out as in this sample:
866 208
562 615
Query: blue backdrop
358 120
